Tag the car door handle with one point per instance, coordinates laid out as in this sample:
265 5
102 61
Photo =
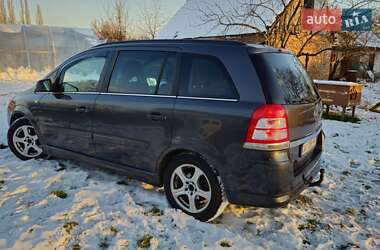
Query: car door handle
81 109
157 117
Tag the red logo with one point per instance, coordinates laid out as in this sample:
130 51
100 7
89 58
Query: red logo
321 19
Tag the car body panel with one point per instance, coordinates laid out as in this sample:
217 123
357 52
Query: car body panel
126 132
209 127
60 123
118 130
304 119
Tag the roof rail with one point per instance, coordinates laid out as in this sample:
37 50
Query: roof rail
174 41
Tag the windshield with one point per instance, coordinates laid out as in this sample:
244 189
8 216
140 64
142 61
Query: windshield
284 79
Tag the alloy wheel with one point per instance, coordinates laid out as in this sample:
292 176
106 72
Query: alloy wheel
26 141
191 188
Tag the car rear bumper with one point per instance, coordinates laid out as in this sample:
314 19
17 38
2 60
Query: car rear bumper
272 178
281 198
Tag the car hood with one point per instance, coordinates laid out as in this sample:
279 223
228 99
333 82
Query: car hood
27 91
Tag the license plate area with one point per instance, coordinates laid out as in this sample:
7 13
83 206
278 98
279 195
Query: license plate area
308 146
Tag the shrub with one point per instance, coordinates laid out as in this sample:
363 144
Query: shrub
59 193
144 242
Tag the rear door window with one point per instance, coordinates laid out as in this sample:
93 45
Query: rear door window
284 79
143 72
206 76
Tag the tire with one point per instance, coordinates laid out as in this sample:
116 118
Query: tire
23 140
189 178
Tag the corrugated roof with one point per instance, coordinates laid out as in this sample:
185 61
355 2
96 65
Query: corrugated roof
189 21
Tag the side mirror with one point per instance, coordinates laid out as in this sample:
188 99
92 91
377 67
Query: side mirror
44 85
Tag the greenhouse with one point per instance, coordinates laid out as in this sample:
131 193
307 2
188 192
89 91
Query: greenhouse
40 47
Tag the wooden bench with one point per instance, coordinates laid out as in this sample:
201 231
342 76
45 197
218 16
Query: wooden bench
339 93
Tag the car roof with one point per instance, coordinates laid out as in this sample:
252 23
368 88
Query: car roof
171 42
252 48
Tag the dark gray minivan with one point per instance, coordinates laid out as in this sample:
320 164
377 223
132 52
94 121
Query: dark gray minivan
211 121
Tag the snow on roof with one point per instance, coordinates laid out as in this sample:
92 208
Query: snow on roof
190 21
340 83
370 39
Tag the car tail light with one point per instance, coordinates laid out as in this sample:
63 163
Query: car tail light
268 125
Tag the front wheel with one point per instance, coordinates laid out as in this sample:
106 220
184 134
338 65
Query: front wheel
192 186
23 140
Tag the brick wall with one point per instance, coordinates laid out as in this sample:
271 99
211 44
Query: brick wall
376 65
318 66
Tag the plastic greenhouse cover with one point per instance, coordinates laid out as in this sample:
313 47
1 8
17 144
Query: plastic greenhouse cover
41 47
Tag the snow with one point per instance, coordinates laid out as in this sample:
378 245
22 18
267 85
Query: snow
22 74
101 211
372 95
369 39
340 83
190 21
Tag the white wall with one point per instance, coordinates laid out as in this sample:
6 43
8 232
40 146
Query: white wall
376 66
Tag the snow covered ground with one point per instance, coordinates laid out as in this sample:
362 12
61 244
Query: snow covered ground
372 95
102 210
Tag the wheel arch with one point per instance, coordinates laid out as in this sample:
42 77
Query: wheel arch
29 140
169 155
16 115
22 112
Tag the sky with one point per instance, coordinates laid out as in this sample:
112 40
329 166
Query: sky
80 13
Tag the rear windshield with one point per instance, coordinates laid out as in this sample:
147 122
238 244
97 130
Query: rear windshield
284 79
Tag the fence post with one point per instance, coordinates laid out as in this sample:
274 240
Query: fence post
52 47
26 44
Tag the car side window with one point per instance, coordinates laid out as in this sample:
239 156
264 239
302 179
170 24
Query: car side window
168 75
205 76
142 72
83 76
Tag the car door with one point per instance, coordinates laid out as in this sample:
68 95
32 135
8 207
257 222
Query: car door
66 112
132 121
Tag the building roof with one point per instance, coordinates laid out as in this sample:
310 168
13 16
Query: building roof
370 39
190 21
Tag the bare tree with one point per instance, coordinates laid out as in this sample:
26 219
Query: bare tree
114 26
28 19
11 12
265 17
285 28
39 17
3 12
152 19
22 12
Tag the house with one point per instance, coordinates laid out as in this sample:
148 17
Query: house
371 58
190 21
365 60
213 19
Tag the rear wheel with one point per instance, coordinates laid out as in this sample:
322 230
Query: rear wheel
23 140
192 186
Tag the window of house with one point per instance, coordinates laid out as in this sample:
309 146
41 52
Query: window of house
143 72
205 76
84 75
